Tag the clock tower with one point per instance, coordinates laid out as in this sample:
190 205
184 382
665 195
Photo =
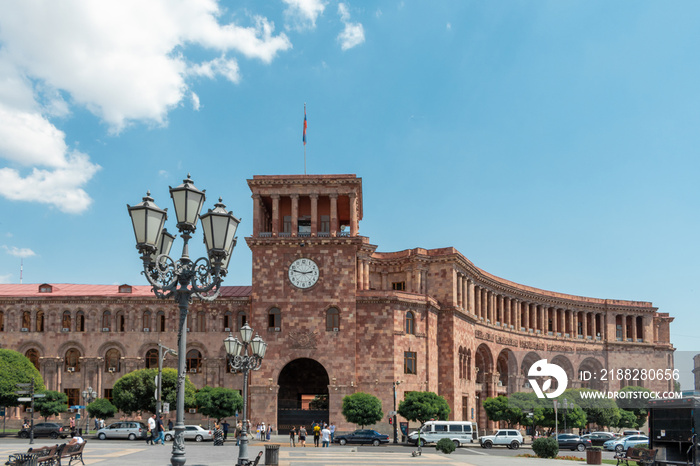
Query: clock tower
308 262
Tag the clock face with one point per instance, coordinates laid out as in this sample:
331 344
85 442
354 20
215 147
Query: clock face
303 273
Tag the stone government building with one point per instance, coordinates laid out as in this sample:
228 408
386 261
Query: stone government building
339 317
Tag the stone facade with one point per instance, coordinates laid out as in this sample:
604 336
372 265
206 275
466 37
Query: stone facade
427 318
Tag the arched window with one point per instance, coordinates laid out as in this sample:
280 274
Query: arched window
194 361
201 323
469 364
461 363
112 360
106 321
26 321
65 322
40 321
228 317
410 323
274 319
72 360
241 320
80 322
152 359
147 321
332 320
2 321
160 321
33 356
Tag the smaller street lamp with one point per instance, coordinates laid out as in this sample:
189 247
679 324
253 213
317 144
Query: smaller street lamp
396 430
240 360
89 396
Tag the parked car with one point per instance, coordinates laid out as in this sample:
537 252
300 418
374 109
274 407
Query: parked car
362 436
508 437
573 442
125 429
599 438
195 433
46 429
622 444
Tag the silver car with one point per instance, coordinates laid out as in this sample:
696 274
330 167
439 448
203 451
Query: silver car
125 429
195 433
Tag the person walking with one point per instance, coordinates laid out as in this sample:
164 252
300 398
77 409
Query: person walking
237 433
302 436
317 435
269 433
160 429
224 427
332 429
170 424
72 426
151 430
292 434
326 436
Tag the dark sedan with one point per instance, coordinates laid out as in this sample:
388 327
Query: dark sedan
598 438
573 442
362 436
46 429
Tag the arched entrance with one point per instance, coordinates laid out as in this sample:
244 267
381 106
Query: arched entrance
303 395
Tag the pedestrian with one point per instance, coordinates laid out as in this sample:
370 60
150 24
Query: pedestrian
97 423
72 426
160 429
102 423
317 435
332 429
151 430
237 433
218 436
269 433
263 429
292 433
302 436
326 435
170 424
224 427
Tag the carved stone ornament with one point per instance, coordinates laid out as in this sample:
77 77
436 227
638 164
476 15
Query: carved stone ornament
303 339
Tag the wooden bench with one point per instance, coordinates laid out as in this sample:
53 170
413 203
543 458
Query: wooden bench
73 453
643 455
48 456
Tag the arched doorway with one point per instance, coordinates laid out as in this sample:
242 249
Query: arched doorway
303 395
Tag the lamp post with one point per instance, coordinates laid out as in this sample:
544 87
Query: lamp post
89 396
240 360
161 358
396 430
183 279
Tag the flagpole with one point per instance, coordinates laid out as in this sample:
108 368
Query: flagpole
304 138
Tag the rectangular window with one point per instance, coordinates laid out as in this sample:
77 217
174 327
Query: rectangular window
440 428
409 362
73 395
325 224
465 408
304 224
108 394
398 286
455 427
618 332
287 224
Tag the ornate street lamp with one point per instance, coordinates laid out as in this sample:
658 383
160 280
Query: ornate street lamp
183 279
240 360
89 396
396 430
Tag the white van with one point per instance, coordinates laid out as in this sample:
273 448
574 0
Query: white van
460 432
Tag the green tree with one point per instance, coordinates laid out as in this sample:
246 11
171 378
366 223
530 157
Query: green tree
16 368
627 420
53 404
362 409
501 409
134 392
600 411
423 406
319 402
218 402
632 402
101 408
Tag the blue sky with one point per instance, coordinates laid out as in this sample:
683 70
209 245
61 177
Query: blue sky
555 144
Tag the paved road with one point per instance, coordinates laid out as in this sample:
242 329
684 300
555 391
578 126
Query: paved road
137 453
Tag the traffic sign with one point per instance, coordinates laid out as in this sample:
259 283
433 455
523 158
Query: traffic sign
166 408
24 398
39 395
23 385
23 392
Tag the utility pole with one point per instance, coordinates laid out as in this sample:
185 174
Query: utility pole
159 381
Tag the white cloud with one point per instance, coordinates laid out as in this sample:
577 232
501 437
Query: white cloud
5 279
19 252
353 34
448 26
302 14
123 61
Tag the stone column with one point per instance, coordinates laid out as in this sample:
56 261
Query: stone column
385 281
623 319
360 274
314 214
295 214
457 288
633 328
555 318
334 214
257 214
366 270
470 295
499 309
353 214
477 301
275 215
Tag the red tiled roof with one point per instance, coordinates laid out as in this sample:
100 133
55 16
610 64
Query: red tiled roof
69 289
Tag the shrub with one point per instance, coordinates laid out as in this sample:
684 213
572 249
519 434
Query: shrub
445 445
545 447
